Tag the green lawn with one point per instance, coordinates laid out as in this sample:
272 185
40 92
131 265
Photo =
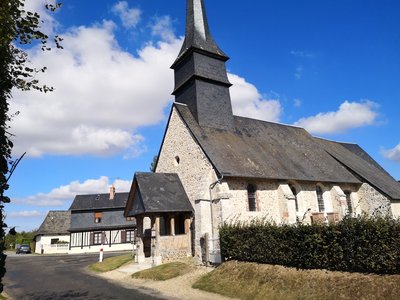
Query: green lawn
256 281
165 271
111 263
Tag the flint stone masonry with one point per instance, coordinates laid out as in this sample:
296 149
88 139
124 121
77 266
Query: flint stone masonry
372 201
194 170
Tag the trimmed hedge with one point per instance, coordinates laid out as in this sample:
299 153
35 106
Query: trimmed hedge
368 245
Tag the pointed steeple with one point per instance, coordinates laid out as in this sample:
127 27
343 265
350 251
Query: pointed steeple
201 80
197 31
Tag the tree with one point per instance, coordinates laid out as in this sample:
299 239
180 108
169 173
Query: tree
18 29
154 163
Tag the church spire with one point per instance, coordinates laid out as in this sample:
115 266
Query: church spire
197 31
201 80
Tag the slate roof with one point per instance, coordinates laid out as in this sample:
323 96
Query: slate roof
55 223
356 159
157 193
99 201
266 150
197 31
259 149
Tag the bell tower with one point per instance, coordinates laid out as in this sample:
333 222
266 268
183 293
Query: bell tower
201 80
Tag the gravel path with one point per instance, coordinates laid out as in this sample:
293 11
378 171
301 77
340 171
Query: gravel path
175 288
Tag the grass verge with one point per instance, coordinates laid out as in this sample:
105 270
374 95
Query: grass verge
256 281
111 263
165 271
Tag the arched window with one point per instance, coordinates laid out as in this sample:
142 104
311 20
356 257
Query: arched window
320 199
251 196
349 204
293 189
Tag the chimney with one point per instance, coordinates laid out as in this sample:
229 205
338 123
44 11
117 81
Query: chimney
112 192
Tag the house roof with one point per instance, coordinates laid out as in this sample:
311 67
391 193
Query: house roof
357 160
259 149
157 193
56 222
99 201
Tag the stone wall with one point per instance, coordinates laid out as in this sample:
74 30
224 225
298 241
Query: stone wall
174 247
372 202
181 154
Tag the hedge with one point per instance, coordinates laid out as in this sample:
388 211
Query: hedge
365 244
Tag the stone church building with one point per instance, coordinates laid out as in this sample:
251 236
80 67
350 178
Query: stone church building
220 167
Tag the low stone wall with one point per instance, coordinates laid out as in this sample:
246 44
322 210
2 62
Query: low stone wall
174 247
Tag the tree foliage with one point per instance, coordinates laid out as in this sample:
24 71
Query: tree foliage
154 164
19 28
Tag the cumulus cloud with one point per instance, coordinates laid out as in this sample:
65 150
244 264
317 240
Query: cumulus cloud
162 27
26 213
349 115
248 102
104 94
59 196
130 17
392 154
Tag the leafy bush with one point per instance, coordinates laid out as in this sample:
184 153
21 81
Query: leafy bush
369 245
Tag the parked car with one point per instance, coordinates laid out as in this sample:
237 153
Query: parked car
24 248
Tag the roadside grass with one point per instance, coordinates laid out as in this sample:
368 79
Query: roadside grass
256 281
111 263
165 271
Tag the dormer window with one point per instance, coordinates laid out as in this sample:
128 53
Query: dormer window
97 217
251 197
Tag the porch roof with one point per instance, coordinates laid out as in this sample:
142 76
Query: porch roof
153 193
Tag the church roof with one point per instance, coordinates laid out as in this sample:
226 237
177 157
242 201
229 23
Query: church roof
99 201
266 150
357 160
157 193
260 149
55 223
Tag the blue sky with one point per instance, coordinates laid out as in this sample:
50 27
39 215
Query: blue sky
332 67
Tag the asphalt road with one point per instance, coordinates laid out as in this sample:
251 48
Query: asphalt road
61 277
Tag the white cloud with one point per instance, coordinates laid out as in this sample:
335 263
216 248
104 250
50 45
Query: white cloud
49 23
297 103
392 154
248 102
130 17
59 196
299 72
350 115
301 54
26 213
162 27
104 94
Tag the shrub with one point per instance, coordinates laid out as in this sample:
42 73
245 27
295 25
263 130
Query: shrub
365 244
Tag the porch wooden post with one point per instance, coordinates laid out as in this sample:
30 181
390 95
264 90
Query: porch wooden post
139 240
172 225
188 235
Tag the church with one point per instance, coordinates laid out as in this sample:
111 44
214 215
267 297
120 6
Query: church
215 167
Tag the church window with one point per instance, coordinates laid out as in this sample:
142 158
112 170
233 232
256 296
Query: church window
293 189
320 199
251 196
177 161
348 201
